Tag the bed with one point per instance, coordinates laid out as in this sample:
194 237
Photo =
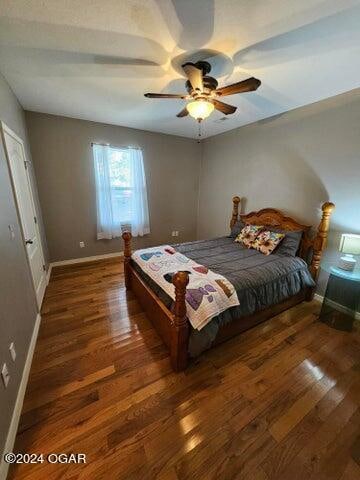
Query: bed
265 284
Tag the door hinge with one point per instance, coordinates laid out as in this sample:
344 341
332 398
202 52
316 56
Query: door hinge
44 268
35 220
25 164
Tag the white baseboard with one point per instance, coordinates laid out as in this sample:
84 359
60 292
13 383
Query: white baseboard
10 440
48 274
86 259
338 306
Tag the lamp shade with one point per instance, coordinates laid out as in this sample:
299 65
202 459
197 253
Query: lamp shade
200 109
350 243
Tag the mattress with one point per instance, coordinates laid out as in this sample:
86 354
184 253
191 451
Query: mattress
260 281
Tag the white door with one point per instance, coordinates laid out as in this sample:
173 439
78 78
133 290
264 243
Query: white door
15 151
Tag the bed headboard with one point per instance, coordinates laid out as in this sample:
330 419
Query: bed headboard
271 217
311 246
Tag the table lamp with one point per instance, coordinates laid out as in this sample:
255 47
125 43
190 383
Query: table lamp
350 245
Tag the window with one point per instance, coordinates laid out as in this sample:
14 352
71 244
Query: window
120 183
120 191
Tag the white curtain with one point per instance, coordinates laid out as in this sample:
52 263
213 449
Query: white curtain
139 204
120 201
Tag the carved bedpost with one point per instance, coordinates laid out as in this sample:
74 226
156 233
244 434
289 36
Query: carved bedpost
321 239
235 212
180 330
127 255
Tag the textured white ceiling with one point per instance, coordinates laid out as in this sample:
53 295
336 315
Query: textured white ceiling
94 59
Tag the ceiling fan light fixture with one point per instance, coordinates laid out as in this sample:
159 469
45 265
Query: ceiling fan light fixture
200 109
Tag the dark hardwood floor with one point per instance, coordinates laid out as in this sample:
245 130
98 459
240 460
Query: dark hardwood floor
280 401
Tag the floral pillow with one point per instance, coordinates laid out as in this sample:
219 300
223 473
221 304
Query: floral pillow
248 235
267 241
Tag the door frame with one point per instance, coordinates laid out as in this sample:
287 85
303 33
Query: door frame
5 129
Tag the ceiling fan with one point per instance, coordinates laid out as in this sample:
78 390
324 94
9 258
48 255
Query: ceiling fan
203 92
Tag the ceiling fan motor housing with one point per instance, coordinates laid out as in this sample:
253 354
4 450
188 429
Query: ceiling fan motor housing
210 84
205 67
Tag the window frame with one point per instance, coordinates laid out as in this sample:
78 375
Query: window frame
117 194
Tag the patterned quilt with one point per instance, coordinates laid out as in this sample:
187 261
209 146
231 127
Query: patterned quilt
207 295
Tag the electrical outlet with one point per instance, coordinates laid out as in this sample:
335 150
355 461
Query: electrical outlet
12 351
5 375
173 233
82 244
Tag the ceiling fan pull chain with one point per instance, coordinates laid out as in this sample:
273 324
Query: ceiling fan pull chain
199 130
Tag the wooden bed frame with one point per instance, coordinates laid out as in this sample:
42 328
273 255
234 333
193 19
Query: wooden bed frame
174 327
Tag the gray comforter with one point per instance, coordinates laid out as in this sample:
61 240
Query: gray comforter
260 281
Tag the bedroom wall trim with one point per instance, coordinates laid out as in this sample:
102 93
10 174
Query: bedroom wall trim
85 259
10 440
48 275
337 306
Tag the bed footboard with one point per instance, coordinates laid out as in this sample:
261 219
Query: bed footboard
172 326
180 329
127 256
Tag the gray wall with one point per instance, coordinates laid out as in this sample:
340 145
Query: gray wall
293 162
63 161
18 307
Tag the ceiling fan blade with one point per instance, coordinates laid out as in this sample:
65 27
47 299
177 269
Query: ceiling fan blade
248 85
194 75
111 60
183 113
223 107
165 95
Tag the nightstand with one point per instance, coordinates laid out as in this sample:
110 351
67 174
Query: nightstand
341 305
